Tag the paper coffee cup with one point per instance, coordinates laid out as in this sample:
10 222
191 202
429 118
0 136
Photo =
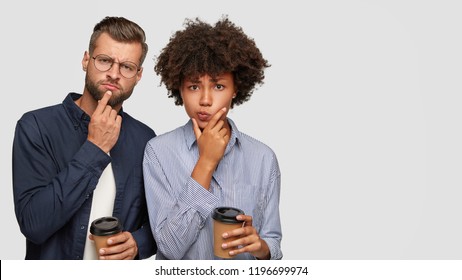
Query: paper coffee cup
102 229
224 219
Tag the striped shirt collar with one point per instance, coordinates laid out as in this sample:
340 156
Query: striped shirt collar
190 137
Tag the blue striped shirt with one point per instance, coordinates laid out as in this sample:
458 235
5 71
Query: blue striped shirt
247 177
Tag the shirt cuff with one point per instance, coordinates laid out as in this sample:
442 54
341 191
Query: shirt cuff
274 247
198 198
93 157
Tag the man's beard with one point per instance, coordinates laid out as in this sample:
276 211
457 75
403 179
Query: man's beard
116 99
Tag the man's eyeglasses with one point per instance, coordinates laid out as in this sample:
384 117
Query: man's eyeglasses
104 63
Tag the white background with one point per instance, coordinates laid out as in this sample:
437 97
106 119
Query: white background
362 105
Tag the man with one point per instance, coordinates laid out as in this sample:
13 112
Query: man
82 159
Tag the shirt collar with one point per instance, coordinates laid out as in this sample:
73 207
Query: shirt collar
76 114
190 137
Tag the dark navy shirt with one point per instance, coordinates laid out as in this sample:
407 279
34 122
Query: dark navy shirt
56 170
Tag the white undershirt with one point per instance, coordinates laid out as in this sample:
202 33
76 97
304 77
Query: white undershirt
101 206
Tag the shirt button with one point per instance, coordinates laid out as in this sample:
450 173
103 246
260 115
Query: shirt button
82 227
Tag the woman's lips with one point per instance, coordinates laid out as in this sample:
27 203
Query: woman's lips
202 116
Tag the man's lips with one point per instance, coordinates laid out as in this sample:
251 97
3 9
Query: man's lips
110 87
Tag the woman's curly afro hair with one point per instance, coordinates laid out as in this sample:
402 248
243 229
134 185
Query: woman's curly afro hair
202 49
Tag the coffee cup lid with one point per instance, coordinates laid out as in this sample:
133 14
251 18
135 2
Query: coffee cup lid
105 226
227 214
